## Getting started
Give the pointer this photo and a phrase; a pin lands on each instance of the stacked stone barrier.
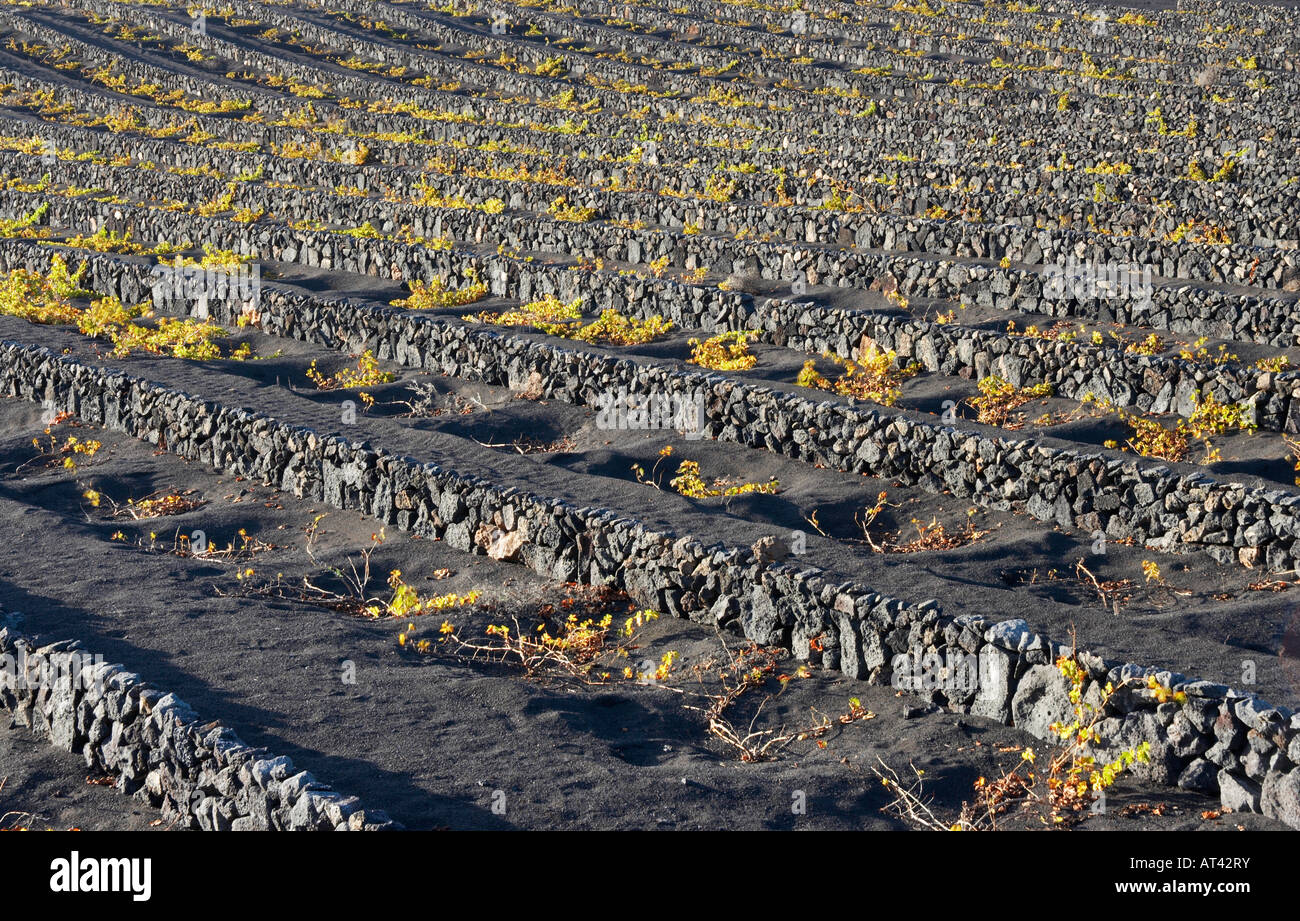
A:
(1075, 369)
(200, 774)
(1216, 740)
(1125, 498)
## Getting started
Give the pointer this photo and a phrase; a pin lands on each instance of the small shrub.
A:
(998, 399)
(929, 536)
(186, 338)
(104, 240)
(218, 205)
(727, 351)
(1057, 332)
(46, 299)
(1059, 793)
(406, 601)
(561, 210)
(155, 505)
(366, 374)
(584, 645)
(554, 317)
(436, 294)
(1194, 231)
(1197, 351)
(24, 227)
(32, 297)
(1210, 417)
(719, 188)
(65, 453)
(1152, 439)
(106, 314)
(366, 231)
(875, 376)
(617, 329)
(1151, 345)
(549, 315)
(551, 67)
(688, 483)
(179, 338)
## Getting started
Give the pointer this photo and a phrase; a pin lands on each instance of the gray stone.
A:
(1238, 794)
(1280, 797)
(1199, 776)
(761, 620)
(1184, 738)
(1041, 699)
(993, 695)
(1009, 634)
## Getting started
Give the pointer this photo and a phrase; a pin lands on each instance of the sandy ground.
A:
(44, 788)
(434, 739)
(445, 742)
(1202, 619)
